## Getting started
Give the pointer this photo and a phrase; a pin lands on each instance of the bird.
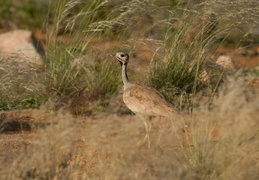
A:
(144, 101)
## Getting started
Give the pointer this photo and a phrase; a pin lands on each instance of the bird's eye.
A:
(122, 55)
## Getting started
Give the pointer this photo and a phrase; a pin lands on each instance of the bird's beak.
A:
(112, 55)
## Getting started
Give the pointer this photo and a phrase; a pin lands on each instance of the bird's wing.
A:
(143, 99)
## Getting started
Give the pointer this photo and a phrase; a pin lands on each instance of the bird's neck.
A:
(125, 78)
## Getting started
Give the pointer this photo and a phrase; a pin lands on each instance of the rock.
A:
(204, 77)
(22, 72)
(22, 47)
(226, 62)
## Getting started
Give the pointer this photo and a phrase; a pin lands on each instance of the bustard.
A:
(143, 100)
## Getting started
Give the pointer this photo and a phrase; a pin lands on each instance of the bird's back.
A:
(146, 100)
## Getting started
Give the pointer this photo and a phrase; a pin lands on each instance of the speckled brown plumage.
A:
(148, 101)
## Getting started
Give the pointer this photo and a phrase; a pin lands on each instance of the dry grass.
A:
(78, 68)
(221, 143)
(22, 84)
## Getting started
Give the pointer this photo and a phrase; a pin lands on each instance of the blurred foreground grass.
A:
(220, 143)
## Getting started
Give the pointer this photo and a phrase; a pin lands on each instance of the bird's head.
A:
(122, 57)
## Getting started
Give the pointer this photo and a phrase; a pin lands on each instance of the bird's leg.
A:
(149, 123)
(147, 127)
